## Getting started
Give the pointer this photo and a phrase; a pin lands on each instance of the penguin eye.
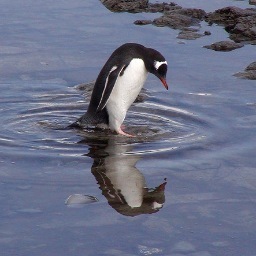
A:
(162, 70)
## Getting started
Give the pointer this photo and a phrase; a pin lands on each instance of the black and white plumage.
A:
(119, 83)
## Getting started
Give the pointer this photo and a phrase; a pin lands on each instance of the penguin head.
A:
(157, 65)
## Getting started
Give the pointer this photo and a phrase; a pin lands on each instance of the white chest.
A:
(128, 86)
(125, 91)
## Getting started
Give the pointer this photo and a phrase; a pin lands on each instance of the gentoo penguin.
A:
(119, 83)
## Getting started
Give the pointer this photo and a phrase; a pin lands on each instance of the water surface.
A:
(186, 185)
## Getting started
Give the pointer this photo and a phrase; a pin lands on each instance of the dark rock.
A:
(189, 35)
(249, 72)
(253, 2)
(251, 75)
(240, 23)
(228, 15)
(252, 66)
(192, 12)
(191, 29)
(136, 6)
(180, 18)
(224, 46)
(162, 7)
(175, 20)
(207, 33)
(181, 42)
(142, 22)
(174, 15)
(125, 5)
(244, 29)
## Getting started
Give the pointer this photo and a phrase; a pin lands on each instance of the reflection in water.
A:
(76, 200)
(121, 182)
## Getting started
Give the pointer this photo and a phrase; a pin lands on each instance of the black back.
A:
(121, 58)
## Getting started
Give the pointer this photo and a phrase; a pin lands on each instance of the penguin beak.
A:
(163, 80)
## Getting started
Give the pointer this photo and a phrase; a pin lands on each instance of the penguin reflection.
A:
(121, 182)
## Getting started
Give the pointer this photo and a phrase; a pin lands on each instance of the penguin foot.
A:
(121, 132)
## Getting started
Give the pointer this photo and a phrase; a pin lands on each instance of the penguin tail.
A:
(91, 120)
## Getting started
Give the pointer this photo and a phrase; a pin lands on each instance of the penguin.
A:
(119, 83)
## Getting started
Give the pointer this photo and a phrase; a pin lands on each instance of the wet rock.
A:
(252, 66)
(240, 23)
(180, 18)
(249, 72)
(175, 21)
(246, 75)
(228, 15)
(162, 7)
(192, 12)
(189, 35)
(142, 22)
(224, 46)
(253, 2)
(125, 5)
(136, 6)
(244, 30)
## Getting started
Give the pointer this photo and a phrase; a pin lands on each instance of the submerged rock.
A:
(142, 22)
(207, 33)
(224, 46)
(249, 72)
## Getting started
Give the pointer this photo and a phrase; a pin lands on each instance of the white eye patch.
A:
(157, 64)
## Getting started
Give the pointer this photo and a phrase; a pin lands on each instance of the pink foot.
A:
(120, 131)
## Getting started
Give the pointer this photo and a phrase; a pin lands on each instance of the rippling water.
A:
(185, 185)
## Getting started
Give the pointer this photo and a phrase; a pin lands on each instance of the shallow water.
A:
(185, 185)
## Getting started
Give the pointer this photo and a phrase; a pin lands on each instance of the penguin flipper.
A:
(109, 85)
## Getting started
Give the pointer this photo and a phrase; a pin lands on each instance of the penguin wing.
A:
(109, 84)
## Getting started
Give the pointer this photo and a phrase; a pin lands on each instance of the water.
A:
(184, 186)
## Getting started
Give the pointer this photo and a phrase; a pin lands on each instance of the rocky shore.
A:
(239, 23)
(249, 72)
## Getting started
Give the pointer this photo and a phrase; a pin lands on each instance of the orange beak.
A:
(164, 82)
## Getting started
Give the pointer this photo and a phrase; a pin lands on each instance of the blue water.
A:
(186, 185)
